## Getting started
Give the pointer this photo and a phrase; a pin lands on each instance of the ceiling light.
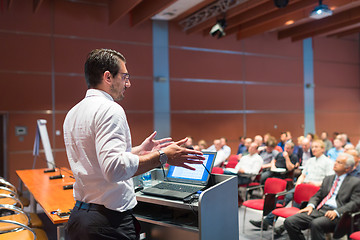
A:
(321, 11)
(219, 28)
(289, 22)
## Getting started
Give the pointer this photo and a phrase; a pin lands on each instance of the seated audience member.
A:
(189, 143)
(310, 136)
(314, 172)
(259, 140)
(334, 152)
(339, 193)
(202, 145)
(305, 152)
(327, 142)
(283, 137)
(247, 143)
(288, 136)
(266, 137)
(348, 147)
(241, 147)
(285, 160)
(357, 148)
(343, 138)
(249, 164)
(224, 147)
(269, 153)
(356, 171)
(299, 145)
(220, 154)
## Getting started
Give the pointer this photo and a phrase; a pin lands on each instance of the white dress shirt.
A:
(227, 151)
(220, 158)
(316, 169)
(251, 164)
(98, 145)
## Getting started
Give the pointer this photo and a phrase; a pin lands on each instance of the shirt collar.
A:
(92, 92)
(341, 177)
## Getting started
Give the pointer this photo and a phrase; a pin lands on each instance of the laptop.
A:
(181, 182)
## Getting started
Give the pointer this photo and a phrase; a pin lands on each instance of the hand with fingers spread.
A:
(180, 156)
(150, 144)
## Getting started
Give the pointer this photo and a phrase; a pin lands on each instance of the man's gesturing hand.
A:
(179, 156)
(150, 144)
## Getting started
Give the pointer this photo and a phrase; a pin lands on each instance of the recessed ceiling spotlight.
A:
(321, 11)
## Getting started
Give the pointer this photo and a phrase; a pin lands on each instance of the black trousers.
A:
(316, 221)
(97, 222)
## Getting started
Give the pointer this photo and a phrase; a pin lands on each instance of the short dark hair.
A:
(100, 61)
(271, 142)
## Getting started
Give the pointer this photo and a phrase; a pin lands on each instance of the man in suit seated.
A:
(339, 193)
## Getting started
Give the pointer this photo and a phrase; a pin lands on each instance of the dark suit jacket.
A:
(348, 197)
(300, 153)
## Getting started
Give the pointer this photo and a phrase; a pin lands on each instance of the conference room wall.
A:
(232, 87)
(337, 81)
(218, 87)
(41, 71)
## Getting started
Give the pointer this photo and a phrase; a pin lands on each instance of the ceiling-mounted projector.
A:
(321, 11)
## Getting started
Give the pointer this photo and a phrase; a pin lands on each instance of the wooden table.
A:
(50, 193)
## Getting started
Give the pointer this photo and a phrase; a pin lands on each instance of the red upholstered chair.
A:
(355, 236)
(217, 170)
(272, 187)
(303, 193)
(232, 161)
(254, 183)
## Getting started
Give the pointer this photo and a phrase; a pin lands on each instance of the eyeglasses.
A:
(125, 76)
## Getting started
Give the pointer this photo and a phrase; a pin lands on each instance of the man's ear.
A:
(107, 77)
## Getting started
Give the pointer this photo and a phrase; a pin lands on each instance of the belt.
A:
(98, 207)
(89, 206)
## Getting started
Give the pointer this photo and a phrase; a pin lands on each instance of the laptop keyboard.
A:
(177, 187)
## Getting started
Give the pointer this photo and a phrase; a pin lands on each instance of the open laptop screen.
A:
(198, 176)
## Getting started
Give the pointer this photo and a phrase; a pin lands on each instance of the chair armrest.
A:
(247, 174)
(22, 226)
(9, 191)
(7, 184)
(254, 187)
(281, 193)
(18, 212)
(14, 199)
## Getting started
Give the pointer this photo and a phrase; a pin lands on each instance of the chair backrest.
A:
(217, 170)
(303, 192)
(274, 185)
(232, 161)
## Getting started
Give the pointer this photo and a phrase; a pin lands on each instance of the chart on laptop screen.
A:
(196, 174)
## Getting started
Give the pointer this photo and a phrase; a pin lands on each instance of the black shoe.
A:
(279, 230)
(258, 224)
